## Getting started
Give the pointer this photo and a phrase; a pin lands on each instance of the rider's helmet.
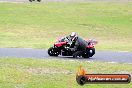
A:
(73, 36)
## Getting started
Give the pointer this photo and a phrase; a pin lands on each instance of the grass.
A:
(54, 73)
(37, 25)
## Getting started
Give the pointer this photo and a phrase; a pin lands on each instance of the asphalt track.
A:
(107, 56)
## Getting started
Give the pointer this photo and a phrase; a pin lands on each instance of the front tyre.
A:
(53, 51)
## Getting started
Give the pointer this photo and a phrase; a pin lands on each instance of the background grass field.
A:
(37, 25)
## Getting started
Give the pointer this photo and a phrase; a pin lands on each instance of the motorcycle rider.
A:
(76, 42)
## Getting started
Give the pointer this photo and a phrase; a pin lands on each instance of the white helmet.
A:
(73, 35)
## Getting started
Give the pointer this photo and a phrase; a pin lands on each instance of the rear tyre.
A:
(91, 52)
(53, 51)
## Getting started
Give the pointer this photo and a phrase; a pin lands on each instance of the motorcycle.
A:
(62, 47)
(34, 0)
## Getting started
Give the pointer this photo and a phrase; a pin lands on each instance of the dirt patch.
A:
(47, 71)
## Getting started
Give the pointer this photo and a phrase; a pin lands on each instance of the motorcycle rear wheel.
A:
(91, 52)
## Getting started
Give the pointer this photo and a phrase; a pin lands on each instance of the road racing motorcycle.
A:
(62, 47)
(34, 0)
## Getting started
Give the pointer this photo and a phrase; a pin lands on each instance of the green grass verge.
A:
(54, 73)
(36, 25)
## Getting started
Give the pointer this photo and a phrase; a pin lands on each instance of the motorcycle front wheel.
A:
(53, 51)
